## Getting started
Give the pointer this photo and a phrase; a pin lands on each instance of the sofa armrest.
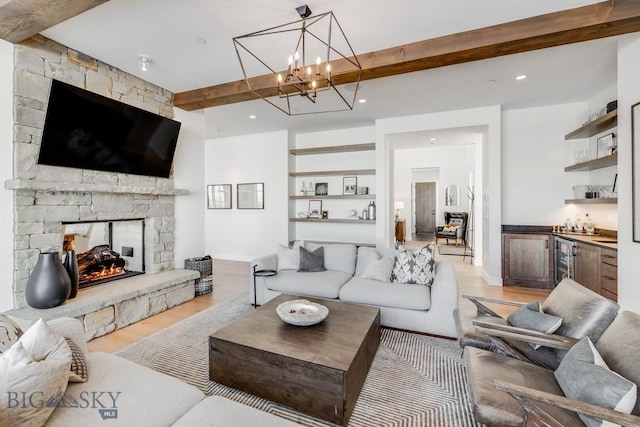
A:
(526, 335)
(444, 299)
(483, 309)
(528, 396)
(267, 262)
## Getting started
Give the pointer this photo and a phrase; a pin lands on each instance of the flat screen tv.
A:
(89, 131)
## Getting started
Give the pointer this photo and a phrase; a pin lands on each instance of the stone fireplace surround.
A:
(46, 196)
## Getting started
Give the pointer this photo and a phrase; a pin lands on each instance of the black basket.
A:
(204, 265)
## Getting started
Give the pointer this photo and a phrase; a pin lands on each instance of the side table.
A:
(260, 273)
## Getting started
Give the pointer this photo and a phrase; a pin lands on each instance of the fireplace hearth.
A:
(95, 244)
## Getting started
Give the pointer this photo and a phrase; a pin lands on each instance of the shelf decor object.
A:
(350, 183)
(315, 208)
(250, 196)
(318, 54)
(635, 173)
(219, 196)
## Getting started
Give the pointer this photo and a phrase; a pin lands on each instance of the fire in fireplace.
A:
(95, 243)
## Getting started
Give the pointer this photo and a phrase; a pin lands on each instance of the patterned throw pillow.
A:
(414, 267)
(79, 372)
(9, 333)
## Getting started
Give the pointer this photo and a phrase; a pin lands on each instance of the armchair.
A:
(455, 228)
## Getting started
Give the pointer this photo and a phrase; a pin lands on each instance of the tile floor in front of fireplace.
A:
(231, 278)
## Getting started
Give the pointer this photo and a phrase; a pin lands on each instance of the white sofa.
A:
(420, 308)
(146, 397)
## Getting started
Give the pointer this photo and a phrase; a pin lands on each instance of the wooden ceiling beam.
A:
(21, 19)
(554, 29)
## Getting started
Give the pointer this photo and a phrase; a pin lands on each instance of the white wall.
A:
(188, 168)
(454, 172)
(243, 234)
(628, 94)
(6, 169)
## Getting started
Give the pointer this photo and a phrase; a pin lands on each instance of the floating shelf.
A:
(332, 149)
(600, 124)
(334, 220)
(601, 201)
(337, 196)
(600, 163)
(335, 173)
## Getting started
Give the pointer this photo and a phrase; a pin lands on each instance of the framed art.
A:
(219, 196)
(250, 196)
(325, 214)
(315, 208)
(322, 188)
(606, 145)
(349, 185)
(635, 173)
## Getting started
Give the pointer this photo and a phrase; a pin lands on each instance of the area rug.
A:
(453, 250)
(415, 380)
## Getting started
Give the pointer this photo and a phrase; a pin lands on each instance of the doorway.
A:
(425, 203)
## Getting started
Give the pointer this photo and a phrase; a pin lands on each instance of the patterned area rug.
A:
(415, 380)
(453, 250)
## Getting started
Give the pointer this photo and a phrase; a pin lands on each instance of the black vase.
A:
(71, 265)
(49, 284)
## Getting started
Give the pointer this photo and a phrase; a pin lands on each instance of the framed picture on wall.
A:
(219, 196)
(250, 196)
(315, 208)
(349, 185)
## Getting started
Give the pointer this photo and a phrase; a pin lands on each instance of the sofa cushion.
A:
(530, 316)
(311, 261)
(218, 411)
(414, 267)
(619, 346)
(337, 256)
(497, 408)
(584, 376)
(323, 284)
(384, 294)
(141, 396)
(34, 368)
(289, 257)
(9, 333)
(379, 269)
(366, 254)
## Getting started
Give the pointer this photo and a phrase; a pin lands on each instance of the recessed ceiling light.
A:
(492, 81)
(201, 40)
(144, 61)
(252, 116)
(433, 138)
(521, 77)
(362, 101)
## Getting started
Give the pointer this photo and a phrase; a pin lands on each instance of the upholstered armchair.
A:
(455, 228)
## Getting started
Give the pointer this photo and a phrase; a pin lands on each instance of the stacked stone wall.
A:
(46, 196)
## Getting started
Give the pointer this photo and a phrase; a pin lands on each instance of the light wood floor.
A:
(232, 278)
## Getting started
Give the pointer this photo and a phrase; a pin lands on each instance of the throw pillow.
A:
(289, 258)
(9, 333)
(79, 372)
(37, 366)
(583, 375)
(311, 261)
(379, 268)
(414, 267)
(530, 316)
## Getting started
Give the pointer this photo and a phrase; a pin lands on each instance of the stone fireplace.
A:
(48, 199)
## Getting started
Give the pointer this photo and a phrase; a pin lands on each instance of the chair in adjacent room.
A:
(455, 228)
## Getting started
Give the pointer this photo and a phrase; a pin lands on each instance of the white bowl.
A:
(301, 312)
(303, 214)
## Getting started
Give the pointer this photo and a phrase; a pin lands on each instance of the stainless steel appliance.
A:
(564, 254)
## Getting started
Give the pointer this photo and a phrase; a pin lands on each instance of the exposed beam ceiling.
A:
(21, 19)
(569, 26)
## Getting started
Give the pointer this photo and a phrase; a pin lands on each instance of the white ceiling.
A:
(118, 31)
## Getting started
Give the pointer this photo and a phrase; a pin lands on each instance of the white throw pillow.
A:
(289, 258)
(379, 269)
(36, 368)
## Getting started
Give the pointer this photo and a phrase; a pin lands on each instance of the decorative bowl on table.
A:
(301, 312)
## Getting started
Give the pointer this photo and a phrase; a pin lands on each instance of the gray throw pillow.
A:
(311, 261)
(530, 316)
(583, 375)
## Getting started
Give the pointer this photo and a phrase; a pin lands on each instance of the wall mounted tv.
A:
(89, 131)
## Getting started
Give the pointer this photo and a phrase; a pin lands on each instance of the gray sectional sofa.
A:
(420, 308)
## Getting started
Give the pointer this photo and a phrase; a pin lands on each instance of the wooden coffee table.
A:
(318, 370)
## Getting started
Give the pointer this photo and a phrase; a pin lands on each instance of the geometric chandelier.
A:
(301, 67)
